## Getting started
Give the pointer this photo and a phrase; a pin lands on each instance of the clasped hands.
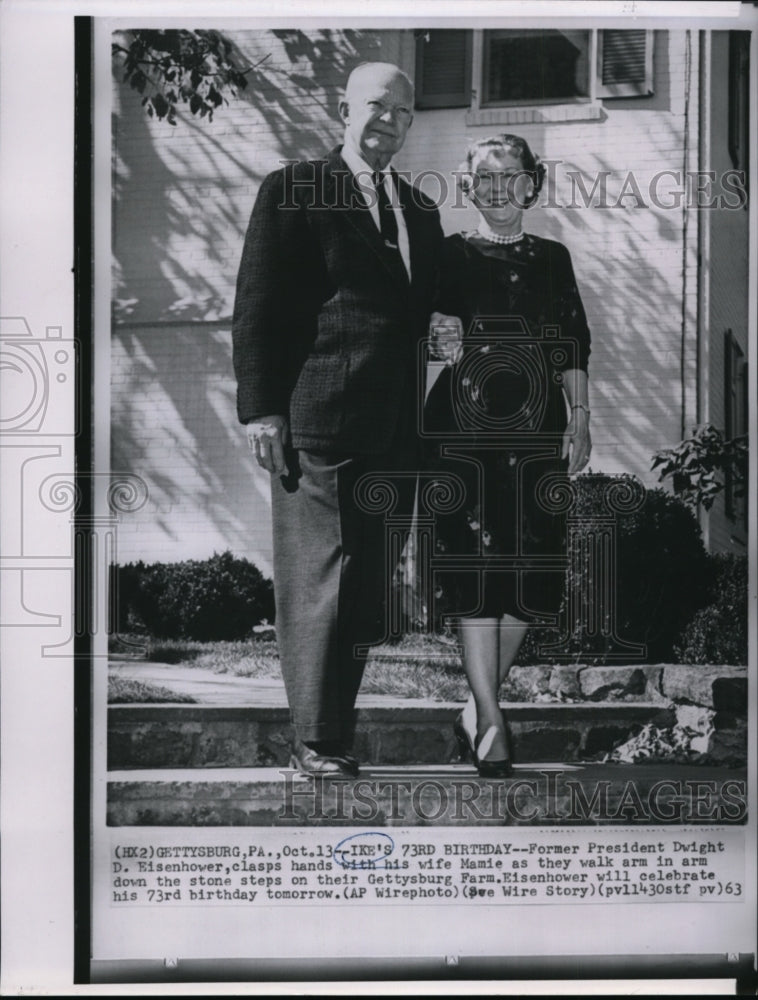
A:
(445, 337)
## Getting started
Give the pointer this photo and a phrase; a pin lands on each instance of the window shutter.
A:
(624, 63)
(735, 412)
(739, 99)
(443, 68)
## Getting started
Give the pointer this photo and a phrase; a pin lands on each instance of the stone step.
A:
(396, 732)
(536, 795)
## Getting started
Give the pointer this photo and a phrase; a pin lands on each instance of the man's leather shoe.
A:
(308, 761)
(335, 748)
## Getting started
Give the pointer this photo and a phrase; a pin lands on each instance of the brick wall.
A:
(184, 196)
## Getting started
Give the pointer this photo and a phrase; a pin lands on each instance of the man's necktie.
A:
(387, 220)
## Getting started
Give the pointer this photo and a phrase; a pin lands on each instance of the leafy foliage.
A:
(177, 66)
(718, 632)
(700, 466)
(217, 598)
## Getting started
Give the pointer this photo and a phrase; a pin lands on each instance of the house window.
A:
(504, 68)
(535, 67)
(735, 418)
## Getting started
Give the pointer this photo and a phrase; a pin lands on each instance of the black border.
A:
(83, 259)
(463, 968)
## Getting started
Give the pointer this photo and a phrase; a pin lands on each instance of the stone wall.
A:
(709, 705)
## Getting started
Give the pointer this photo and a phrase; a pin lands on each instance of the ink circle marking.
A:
(368, 850)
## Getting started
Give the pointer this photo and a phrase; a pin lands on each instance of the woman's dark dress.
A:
(496, 420)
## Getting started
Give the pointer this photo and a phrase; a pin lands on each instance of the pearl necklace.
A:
(493, 237)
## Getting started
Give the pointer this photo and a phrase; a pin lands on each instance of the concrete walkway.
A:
(206, 686)
(210, 688)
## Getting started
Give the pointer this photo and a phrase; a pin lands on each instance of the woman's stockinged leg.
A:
(481, 640)
(511, 634)
(490, 647)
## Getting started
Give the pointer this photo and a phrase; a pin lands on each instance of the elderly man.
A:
(337, 284)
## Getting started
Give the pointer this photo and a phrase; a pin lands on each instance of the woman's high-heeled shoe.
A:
(501, 768)
(466, 751)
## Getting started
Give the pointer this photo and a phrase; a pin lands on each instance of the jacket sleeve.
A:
(451, 297)
(265, 303)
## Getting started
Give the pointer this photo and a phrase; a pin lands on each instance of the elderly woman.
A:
(510, 418)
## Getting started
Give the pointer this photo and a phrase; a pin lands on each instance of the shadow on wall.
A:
(182, 197)
(629, 263)
(183, 194)
(179, 432)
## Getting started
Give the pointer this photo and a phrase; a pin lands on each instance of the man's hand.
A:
(446, 336)
(267, 438)
(577, 443)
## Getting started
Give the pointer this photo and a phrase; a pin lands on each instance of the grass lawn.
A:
(415, 667)
(125, 690)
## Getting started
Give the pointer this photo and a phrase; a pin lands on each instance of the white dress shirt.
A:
(364, 179)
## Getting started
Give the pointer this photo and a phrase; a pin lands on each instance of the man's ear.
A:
(344, 110)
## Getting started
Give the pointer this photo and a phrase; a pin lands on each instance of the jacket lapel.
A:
(349, 199)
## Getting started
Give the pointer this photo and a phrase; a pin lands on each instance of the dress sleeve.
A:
(570, 310)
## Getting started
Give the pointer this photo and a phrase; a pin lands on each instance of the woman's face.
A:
(502, 188)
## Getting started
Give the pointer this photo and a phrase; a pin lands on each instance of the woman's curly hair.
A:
(503, 142)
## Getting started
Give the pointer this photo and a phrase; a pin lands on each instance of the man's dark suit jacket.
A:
(326, 323)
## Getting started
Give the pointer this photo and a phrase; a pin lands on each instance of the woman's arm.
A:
(577, 443)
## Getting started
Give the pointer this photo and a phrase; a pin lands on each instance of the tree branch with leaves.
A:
(701, 466)
(180, 67)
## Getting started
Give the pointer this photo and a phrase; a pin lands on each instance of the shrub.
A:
(717, 633)
(663, 572)
(217, 598)
(662, 577)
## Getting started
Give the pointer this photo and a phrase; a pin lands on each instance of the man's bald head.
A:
(376, 72)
